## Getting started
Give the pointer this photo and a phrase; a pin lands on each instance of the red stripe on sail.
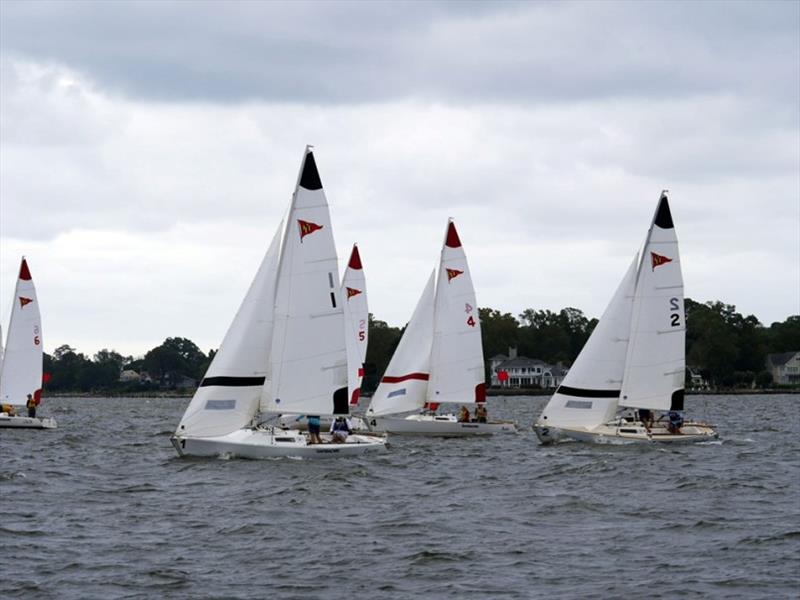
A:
(480, 393)
(419, 376)
(355, 397)
(24, 272)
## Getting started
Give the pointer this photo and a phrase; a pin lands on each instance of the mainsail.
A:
(356, 323)
(655, 365)
(308, 361)
(457, 366)
(22, 360)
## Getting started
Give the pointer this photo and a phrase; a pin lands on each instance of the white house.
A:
(785, 367)
(514, 371)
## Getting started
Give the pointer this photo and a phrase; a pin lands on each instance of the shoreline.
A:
(528, 392)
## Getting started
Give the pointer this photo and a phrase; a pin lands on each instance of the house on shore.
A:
(785, 367)
(515, 371)
(696, 380)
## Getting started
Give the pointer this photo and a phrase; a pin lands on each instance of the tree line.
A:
(728, 348)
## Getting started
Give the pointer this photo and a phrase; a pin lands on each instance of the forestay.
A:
(228, 396)
(404, 386)
(308, 363)
(22, 359)
(655, 363)
(356, 320)
(590, 391)
(457, 366)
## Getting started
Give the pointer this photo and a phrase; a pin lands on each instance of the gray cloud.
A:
(354, 52)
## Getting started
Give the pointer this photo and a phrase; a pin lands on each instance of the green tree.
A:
(499, 331)
(383, 341)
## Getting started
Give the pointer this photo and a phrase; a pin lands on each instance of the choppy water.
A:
(103, 508)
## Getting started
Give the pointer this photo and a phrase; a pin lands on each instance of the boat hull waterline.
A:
(274, 443)
(614, 433)
(438, 425)
(21, 422)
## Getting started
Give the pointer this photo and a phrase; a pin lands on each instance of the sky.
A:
(149, 149)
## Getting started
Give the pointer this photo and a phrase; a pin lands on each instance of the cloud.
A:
(346, 52)
(145, 210)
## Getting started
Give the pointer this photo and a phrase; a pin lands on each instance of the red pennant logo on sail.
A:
(307, 227)
(23, 301)
(352, 292)
(452, 274)
(659, 260)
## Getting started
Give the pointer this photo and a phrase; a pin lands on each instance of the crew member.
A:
(480, 412)
(340, 429)
(31, 406)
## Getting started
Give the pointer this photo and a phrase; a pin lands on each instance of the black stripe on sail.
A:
(676, 400)
(582, 393)
(663, 215)
(310, 177)
(232, 381)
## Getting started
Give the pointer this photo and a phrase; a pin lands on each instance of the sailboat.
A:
(439, 358)
(285, 351)
(21, 366)
(634, 362)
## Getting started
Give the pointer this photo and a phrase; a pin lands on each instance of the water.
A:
(103, 508)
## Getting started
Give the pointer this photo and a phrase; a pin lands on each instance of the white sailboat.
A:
(285, 350)
(439, 358)
(634, 362)
(21, 366)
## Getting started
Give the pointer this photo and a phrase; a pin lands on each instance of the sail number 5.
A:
(674, 317)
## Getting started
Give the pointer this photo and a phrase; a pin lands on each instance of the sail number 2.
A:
(674, 317)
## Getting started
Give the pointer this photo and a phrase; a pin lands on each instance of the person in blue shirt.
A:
(313, 429)
(675, 421)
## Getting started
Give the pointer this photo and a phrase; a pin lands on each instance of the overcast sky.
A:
(148, 150)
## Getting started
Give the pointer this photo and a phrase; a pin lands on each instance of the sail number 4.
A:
(674, 317)
(470, 319)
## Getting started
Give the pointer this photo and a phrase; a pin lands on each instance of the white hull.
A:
(21, 422)
(274, 443)
(437, 425)
(627, 433)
